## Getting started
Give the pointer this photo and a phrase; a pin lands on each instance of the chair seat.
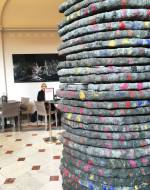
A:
(45, 110)
(52, 112)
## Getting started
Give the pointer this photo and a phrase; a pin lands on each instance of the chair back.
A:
(25, 100)
(40, 108)
(11, 109)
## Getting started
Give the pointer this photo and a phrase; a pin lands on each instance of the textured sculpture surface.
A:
(105, 91)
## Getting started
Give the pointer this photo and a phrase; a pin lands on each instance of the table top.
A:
(8, 102)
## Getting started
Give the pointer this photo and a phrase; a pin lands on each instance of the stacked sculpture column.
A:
(105, 91)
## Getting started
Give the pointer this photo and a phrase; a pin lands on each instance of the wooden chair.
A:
(10, 110)
(46, 113)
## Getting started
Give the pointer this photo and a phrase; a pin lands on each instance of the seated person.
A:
(41, 93)
(41, 97)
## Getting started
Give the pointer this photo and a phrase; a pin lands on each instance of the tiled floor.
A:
(29, 163)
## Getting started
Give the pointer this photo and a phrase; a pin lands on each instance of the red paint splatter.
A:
(94, 9)
(93, 22)
(128, 104)
(122, 26)
(123, 4)
(132, 94)
(86, 12)
(129, 77)
(148, 12)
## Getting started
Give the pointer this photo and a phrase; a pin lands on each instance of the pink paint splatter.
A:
(109, 136)
(144, 161)
(79, 163)
(101, 172)
(102, 119)
(90, 162)
(130, 60)
(66, 172)
(115, 105)
(140, 86)
(87, 167)
(124, 13)
(133, 163)
(124, 86)
(81, 110)
(89, 104)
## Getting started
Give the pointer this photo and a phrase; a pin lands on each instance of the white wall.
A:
(26, 43)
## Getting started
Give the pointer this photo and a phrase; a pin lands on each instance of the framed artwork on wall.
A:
(35, 67)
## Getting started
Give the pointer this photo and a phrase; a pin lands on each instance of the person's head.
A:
(43, 86)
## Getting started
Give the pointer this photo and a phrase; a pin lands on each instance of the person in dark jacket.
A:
(40, 98)
(41, 93)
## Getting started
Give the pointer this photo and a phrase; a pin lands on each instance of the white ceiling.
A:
(32, 14)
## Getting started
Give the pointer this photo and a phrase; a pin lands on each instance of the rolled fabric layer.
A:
(104, 27)
(87, 7)
(127, 34)
(113, 61)
(116, 15)
(105, 94)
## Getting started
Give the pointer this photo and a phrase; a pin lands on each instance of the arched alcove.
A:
(30, 14)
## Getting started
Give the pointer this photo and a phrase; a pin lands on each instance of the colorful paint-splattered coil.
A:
(105, 91)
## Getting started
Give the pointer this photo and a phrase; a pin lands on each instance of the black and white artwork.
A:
(35, 67)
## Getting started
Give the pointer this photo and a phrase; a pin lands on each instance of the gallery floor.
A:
(29, 163)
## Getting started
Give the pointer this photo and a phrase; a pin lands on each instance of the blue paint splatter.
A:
(148, 41)
(140, 42)
(104, 187)
(90, 186)
(140, 102)
(112, 188)
(135, 26)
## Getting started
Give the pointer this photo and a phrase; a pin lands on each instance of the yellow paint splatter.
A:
(112, 43)
(125, 41)
(145, 127)
(79, 118)
(146, 24)
(77, 70)
(82, 95)
(136, 127)
(91, 177)
(78, 13)
(72, 16)
(136, 187)
(69, 116)
(95, 94)
(130, 51)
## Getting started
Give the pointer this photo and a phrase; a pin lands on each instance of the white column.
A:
(3, 86)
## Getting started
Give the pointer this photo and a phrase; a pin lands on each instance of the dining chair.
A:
(10, 110)
(24, 107)
(47, 113)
